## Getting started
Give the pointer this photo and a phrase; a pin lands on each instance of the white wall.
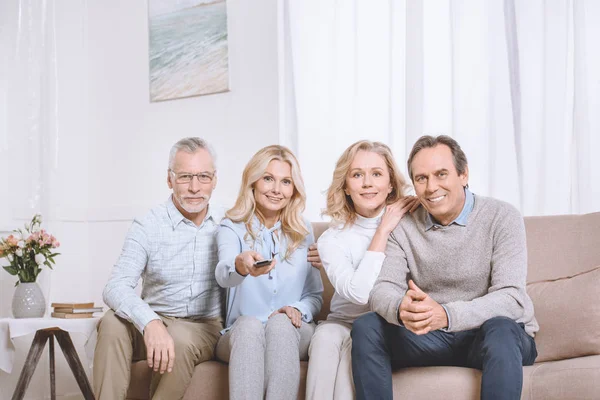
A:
(96, 155)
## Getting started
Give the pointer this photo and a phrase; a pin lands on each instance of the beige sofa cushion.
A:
(575, 378)
(437, 383)
(560, 246)
(568, 311)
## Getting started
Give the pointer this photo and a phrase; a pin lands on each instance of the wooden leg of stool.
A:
(52, 373)
(64, 340)
(33, 357)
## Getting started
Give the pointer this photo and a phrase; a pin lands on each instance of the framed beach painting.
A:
(188, 48)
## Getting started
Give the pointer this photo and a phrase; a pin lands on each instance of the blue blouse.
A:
(293, 282)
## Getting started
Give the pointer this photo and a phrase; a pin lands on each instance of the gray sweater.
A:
(476, 272)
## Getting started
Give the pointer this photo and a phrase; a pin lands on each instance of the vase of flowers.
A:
(27, 250)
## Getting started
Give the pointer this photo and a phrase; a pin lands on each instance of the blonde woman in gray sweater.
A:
(366, 200)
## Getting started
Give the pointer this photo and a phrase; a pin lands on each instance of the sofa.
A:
(564, 284)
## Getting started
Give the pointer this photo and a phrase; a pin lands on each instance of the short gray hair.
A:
(460, 159)
(191, 145)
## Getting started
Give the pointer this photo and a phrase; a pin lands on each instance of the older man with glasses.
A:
(176, 322)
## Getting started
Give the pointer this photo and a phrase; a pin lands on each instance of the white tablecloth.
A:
(11, 328)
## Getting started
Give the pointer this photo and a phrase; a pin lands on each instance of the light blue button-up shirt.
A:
(175, 259)
(293, 282)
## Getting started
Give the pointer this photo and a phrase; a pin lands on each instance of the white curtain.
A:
(517, 83)
(28, 123)
(28, 109)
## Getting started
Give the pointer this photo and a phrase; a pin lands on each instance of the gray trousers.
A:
(264, 360)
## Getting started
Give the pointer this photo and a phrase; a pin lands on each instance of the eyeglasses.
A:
(186, 178)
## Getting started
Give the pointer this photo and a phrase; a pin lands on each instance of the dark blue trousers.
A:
(499, 349)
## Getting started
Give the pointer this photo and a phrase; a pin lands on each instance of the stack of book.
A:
(74, 310)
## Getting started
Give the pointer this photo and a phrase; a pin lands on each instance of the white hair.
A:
(191, 145)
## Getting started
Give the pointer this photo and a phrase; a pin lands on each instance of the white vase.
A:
(28, 301)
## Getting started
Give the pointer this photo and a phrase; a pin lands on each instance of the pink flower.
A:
(12, 241)
(45, 238)
(28, 249)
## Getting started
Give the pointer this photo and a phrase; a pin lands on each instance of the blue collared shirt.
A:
(175, 259)
(293, 281)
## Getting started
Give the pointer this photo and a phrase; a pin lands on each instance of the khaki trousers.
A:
(330, 364)
(120, 343)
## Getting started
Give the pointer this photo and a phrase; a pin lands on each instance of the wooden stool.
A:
(33, 357)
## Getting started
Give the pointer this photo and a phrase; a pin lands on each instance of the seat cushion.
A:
(568, 311)
(437, 383)
(210, 381)
(576, 378)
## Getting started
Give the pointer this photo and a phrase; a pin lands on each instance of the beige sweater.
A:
(476, 272)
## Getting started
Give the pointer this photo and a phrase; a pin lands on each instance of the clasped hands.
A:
(419, 313)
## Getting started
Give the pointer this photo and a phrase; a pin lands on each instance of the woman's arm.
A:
(353, 284)
(229, 247)
(311, 299)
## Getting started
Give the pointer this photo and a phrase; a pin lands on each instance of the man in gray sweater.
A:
(451, 291)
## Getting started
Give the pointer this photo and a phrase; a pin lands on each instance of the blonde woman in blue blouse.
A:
(270, 309)
(366, 200)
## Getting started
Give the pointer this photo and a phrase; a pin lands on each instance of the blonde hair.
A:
(292, 224)
(339, 205)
